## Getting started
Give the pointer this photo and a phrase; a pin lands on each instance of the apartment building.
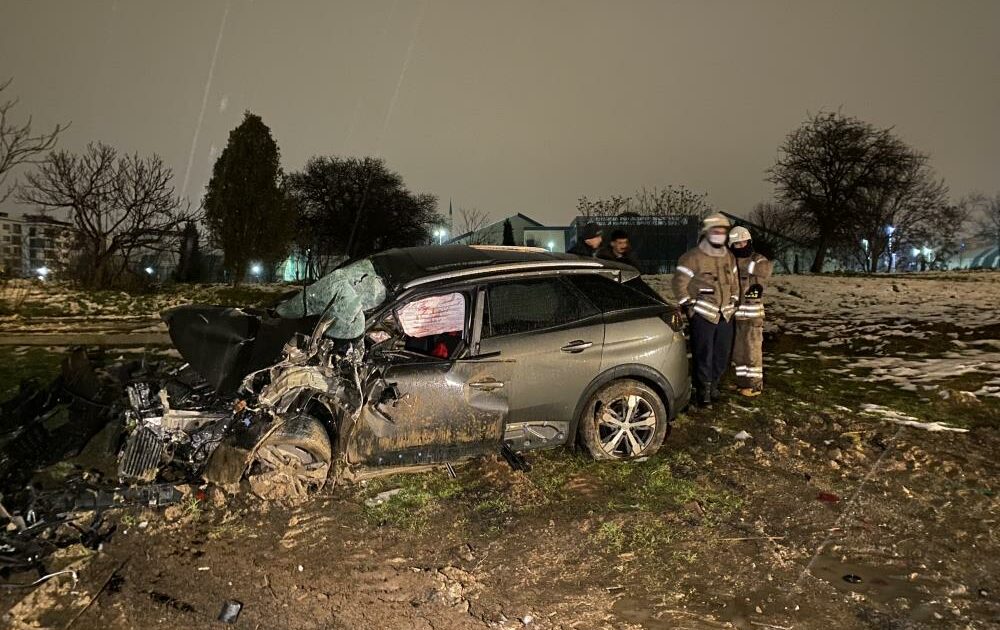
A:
(33, 245)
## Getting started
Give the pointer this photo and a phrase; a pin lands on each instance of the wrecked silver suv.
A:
(410, 357)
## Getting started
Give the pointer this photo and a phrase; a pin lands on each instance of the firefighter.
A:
(706, 287)
(748, 349)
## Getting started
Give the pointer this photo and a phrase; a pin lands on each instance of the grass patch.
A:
(26, 362)
(420, 497)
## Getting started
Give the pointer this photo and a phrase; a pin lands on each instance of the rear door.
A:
(430, 400)
(555, 336)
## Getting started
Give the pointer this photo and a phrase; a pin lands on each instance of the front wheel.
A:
(623, 420)
(292, 461)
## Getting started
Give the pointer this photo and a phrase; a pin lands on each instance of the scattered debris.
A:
(382, 497)
(516, 460)
(44, 578)
(850, 578)
(742, 436)
(827, 497)
(230, 611)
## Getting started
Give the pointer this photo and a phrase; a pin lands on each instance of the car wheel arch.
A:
(642, 373)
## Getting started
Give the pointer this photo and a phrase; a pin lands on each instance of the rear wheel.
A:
(623, 420)
(292, 461)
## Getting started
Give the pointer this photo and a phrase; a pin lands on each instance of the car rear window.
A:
(525, 305)
(609, 295)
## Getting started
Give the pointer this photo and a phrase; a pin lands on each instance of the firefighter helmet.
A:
(715, 220)
(738, 234)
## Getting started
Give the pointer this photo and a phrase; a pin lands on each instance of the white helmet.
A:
(739, 233)
(715, 220)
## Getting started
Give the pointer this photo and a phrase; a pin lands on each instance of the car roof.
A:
(409, 266)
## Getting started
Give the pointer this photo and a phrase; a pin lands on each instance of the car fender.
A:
(637, 371)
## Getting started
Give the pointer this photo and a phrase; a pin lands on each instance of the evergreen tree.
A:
(508, 233)
(246, 210)
(189, 260)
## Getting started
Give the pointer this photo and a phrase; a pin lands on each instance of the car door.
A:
(555, 336)
(423, 409)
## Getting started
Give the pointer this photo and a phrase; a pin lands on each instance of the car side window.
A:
(609, 295)
(518, 306)
(434, 325)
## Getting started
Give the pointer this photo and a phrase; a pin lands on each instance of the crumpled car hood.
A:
(224, 344)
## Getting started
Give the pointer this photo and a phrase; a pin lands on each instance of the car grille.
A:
(141, 458)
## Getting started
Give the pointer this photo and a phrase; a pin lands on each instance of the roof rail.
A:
(486, 269)
(509, 248)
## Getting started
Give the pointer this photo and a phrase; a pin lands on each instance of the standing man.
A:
(589, 241)
(748, 350)
(707, 289)
(618, 249)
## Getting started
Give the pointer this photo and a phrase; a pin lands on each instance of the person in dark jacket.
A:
(589, 241)
(618, 249)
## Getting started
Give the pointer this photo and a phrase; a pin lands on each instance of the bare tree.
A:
(779, 229)
(902, 207)
(123, 206)
(598, 209)
(657, 202)
(671, 201)
(824, 169)
(471, 221)
(18, 144)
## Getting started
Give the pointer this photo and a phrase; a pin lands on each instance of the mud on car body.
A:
(414, 356)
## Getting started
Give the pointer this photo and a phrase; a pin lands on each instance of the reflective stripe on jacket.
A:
(709, 284)
(754, 269)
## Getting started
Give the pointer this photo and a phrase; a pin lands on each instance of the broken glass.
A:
(350, 291)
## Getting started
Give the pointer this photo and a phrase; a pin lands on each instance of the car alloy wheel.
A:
(626, 426)
(624, 419)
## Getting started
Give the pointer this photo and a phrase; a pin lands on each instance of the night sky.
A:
(514, 106)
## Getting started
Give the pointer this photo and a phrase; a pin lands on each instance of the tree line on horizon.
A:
(843, 187)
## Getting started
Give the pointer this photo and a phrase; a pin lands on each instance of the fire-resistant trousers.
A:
(748, 353)
(711, 346)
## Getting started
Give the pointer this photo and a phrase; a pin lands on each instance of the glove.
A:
(754, 292)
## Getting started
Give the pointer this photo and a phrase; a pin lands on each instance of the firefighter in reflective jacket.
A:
(707, 289)
(748, 349)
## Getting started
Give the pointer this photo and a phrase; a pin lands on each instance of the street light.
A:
(256, 269)
(150, 270)
(552, 245)
(42, 272)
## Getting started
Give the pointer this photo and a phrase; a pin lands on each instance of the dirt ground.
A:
(831, 514)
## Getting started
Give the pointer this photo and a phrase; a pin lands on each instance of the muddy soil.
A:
(827, 516)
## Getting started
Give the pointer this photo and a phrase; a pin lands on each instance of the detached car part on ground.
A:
(412, 357)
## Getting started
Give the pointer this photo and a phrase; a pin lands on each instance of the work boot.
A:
(703, 398)
(714, 392)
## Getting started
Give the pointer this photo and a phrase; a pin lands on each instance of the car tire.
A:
(624, 419)
(292, 461)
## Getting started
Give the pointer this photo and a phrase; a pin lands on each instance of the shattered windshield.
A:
(353, 289)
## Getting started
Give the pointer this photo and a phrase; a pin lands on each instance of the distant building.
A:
(33, 245)
(492, 234)
(554, 239)
(977, 254)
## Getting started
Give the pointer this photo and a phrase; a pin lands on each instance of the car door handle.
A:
(577, 346)
(487, 386)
